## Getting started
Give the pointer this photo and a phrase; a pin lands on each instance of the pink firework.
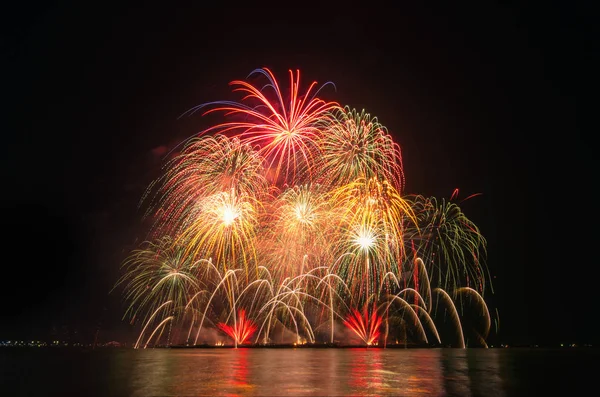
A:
(284, 128)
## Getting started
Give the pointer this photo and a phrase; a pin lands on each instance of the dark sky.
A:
(486, 99)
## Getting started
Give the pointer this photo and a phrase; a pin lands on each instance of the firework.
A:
(371, 214)
(206, 167)
(242, 329)
(287, 223)
(366, 326)
(448, 242)
(355, 145)
(285, 131)
(297, 237)
(159, 280)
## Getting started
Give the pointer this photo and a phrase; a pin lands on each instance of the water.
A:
(297, 372)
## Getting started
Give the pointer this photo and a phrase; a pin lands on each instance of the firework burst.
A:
(285, 131)
(365, 325)
(207, 167)
(355, 145)
(279, 223)
(449, 243)
(242, 329)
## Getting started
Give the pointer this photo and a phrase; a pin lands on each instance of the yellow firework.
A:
(155, 274)
(371, 215)
(222, 227)
(207, 166)
(296, 239)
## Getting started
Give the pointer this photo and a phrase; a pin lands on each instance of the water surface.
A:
(296, 372)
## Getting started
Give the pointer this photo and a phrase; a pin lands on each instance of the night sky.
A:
(484, 99)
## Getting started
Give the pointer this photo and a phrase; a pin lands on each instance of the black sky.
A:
(486, 99)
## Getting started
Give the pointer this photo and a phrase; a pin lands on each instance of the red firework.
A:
(242, 329)
(365, 325)
(286, 131)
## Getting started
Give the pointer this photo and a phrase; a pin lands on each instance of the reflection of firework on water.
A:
(286, 223)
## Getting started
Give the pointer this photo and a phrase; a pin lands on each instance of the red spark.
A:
(364, 325)
(242, 329)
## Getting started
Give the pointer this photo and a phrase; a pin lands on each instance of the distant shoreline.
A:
(303, 346)
(298, 346)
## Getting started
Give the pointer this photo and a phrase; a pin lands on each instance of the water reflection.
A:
(238, 380)
(280, 372)
(304, 372)
(485, 372)
(455, 372)
(423, 373)
(366, 371)
(151, 373)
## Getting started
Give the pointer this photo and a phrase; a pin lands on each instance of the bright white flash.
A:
(365, 239)
(229, 215)
(301, 212)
